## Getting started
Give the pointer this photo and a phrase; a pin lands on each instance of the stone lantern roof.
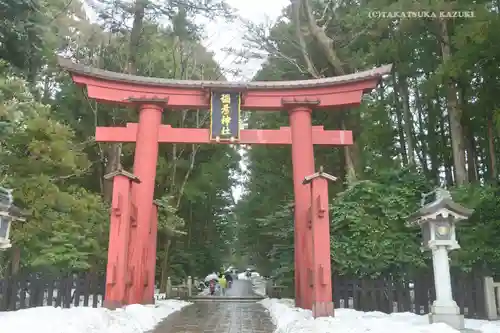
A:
(7, 207)
(17, 214)
(443, 205)
(8, 215)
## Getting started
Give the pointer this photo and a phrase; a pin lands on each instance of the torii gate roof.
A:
(375, 73)
(326, 92)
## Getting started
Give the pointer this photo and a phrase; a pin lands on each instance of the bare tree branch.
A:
(302, 43)
(325, 42)
(258, 40)
(324, 19)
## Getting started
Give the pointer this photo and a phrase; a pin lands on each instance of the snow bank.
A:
(243, 275)
(259, 286)
(289, 319)
(131, 319)
(483, 325)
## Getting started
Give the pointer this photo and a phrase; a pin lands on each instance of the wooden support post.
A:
(150, 263)
(322, 305)
(119, 232)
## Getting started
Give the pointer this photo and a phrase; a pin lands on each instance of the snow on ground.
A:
(243, 276)
(258, 282)
(211, 276)
(289, 319)
(131, 319)
(204, 292)
(259, 286)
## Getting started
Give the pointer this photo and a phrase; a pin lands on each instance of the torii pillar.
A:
(303, 165)
(145, 160)
(117, 273)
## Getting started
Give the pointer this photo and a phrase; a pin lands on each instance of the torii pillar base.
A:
(321, 275)
(323, 309)
(150, 264)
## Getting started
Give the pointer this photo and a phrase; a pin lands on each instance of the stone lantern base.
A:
(448, 314)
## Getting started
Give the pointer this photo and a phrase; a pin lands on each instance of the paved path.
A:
(220, 317)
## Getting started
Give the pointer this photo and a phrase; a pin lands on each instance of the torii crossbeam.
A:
(168, 134)
(131, 255)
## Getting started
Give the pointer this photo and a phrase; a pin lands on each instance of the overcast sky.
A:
(221, 35)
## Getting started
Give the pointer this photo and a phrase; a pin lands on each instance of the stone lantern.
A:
(437, 220)
(8, 214)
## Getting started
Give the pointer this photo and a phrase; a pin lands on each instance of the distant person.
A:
(229, 279)
(211, 287)
(222, 284)
(210, 277)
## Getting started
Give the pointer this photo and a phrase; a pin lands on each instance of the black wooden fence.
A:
(26, 290)
(387, 294)
(410, 294)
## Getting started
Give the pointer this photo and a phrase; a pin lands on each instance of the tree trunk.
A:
(471, 155)
(325, 43)
(16, 259)
(421, 136)
(399, 120)
(408, 121)
(135, 35)
(189, 228)
(296, 4)
(447, 159)
(454, 111)
(470, 142)
(433, 126)
(114, 151)
(164, 267)
(353, 162)
(491, 149)
(352, 119)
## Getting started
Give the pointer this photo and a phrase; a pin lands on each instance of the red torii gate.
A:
(130, 272)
